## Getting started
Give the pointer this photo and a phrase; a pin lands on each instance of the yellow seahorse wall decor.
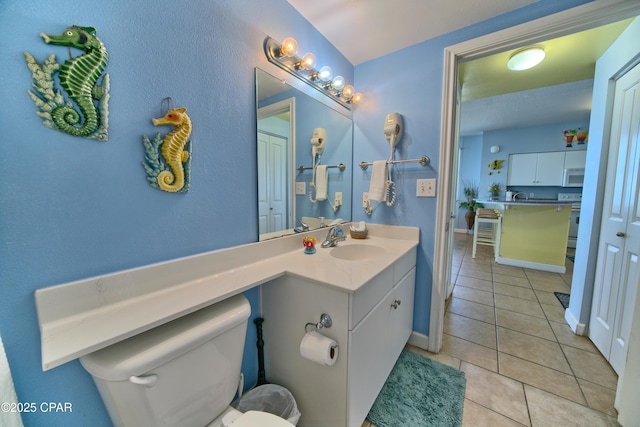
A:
(170, 171)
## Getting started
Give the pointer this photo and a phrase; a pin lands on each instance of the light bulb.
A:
(326, 73)
(347, 92)
(356, 98)
(338, 83)
(309, 60)
(289, 47)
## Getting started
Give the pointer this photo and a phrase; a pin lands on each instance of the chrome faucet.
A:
(515, 196)
(335, 234)
(302, 227)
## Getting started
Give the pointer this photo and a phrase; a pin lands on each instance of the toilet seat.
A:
(262, 419)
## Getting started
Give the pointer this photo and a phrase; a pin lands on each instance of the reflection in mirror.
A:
(290, 190)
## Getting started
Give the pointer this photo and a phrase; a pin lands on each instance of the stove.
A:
(575, 199)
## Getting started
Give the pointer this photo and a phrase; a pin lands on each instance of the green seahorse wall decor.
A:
(168, 161)
(87, 116)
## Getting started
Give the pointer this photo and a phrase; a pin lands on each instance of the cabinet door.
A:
(369, 360)
(522, 169)
(550, 168)
(402, 321)
(575, 159)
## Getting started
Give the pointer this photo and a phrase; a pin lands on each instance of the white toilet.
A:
(183, 373)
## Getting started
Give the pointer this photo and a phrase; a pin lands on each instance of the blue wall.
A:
(475, 156)
(73, 208)
(409, 81)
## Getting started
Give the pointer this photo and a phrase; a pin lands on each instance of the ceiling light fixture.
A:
(523, 59)
(284, 55)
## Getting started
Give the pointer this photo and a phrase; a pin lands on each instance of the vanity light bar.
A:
(284, 55)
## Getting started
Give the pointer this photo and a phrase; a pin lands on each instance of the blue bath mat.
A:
(420, 392)
(563, 298)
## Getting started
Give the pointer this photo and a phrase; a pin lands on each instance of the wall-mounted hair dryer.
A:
(393, 130)
(318, 141)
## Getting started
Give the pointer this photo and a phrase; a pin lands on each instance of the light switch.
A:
(426, 188)
(301, 188)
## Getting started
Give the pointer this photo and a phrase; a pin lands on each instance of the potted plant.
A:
(495, 188)
(470, 191)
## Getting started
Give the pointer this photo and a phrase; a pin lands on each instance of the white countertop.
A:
(530, 202)
(81, 317)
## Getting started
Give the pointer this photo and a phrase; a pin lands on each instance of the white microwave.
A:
(573, 177)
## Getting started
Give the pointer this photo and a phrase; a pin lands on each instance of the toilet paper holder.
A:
(325, 322)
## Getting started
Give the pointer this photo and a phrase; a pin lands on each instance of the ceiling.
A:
(557, 90)
(366, 29)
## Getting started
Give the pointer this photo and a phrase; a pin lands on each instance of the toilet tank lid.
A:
(148, 350)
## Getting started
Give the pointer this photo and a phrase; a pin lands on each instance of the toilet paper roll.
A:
(318, 348)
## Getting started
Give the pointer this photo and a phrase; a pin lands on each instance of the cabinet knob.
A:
(620, 234)
(395, 304)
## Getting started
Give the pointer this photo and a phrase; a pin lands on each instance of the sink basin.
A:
(357, 252)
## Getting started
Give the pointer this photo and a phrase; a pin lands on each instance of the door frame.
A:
(573, 20)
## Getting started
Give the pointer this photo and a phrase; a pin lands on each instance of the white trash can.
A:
(270, 398)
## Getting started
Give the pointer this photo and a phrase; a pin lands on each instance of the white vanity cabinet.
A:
(370, 325)
(375, 344)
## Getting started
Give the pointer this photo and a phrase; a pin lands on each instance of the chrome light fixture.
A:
(284, 55)
(523, 59)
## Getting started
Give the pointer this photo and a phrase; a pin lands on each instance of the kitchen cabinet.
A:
(575, 159)
(536, 169)
(370, 325)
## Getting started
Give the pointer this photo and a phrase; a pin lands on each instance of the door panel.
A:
(617, 272)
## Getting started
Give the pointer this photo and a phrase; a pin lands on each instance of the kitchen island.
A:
(534, 233)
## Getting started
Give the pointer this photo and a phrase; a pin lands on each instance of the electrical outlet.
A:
(301, 188)
(426, 188)
(531, 195)
(365, 200)
(338, 198)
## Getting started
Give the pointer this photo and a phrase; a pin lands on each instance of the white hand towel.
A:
(321, 182)
(7, 392)
(378, 179)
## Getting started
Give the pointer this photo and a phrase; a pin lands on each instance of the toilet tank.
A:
(182, 373)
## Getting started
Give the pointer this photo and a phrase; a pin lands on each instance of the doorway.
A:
(563, 23)
(276, 154)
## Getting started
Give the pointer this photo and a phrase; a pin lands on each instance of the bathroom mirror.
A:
(286, 120)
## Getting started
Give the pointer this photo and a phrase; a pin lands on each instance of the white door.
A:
(449, 278)
(272, 183)
(617, 272)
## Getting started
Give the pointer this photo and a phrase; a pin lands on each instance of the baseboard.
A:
(577, 327)
(419, 340)
(532, 265)
(462, 231)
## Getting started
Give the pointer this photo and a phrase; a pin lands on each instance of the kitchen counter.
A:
(534, 233)
(81, 317)
(524, 202)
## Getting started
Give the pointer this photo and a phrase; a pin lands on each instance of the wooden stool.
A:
(487, 230)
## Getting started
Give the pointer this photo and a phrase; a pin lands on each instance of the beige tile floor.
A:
(505, 329)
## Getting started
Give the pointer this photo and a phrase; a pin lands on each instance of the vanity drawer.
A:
(369, 295)
(404, 264)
